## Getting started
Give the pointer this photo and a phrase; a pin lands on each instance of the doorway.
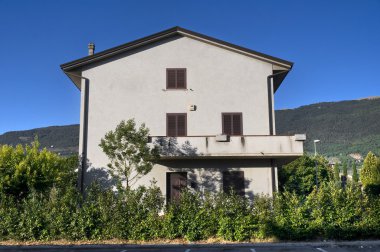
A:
(175, 183)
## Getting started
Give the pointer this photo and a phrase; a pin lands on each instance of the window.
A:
(176, 78)
(232, 124)
(176, 124)
(233, 181)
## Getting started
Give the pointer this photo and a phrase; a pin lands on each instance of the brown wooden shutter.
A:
(236, 124)
(232, 124)
(227, 124)
(176, 125)
(176, 78)
(234, 180)
(171, 125)
(181, 125)
(170, 78)
(181, 78)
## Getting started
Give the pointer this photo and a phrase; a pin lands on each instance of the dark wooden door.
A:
(176, 182)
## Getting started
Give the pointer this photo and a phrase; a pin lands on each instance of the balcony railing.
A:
(254, 146)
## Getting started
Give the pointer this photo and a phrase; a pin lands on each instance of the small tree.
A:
(299, 176)
(344, 168)
(355, 177)
(336, 172)
(129, 153)
(370, 173)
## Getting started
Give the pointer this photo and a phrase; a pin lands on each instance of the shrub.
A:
(59, 212)
(370, 225)
(355, 176)
(235, 219)
(9, 217)
(291, 216)
(263, 216)
(136, 214)
(32, 218)
(191, 217)
(299, 175)
(370, 174)
(63, 208)
(26, 169)
(335, 211)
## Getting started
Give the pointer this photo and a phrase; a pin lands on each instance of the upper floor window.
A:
(176, 124)
(176, 78)
(232, 124)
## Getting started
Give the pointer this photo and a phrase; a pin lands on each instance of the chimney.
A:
(91, 49)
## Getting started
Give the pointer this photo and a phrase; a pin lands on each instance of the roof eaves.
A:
(167, 33)
(263, 56)
(118, 49)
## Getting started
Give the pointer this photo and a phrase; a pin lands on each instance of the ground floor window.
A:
(175, 183)
(233, 181)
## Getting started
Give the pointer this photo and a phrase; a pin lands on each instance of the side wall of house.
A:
(134, 86)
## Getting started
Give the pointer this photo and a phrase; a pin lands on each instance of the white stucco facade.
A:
(133, 85)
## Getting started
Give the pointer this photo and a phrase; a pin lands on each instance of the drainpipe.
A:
(270, 100)
(271, 127)
(273, 175)
(83, 164)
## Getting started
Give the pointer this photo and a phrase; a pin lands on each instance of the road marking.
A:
(124, 250)
(322, 250)
(253, 250)
(187, 250)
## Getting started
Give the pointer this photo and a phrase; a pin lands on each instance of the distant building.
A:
(357, 157)
(333, 161)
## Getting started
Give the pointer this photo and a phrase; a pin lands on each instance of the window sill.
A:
(176, 89)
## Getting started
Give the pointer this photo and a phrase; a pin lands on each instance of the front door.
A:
(176, 182)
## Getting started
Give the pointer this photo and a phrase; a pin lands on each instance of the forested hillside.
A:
(60, 139)
(343, 127)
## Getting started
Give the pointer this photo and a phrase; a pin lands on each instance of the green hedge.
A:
(327, 213)
(39, 201)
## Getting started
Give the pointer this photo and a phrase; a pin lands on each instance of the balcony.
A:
(248, 146)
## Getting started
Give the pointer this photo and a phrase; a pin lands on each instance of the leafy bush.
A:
(33, 223)
(331, 212)
(299, 175)
(355, 175)
(137, 213)
(370, 174)
(262, 211)
(26, 169)
(291, 216)
(56, 210)
(235, 219)
(335, 211)
(9, 217)
(191, 217)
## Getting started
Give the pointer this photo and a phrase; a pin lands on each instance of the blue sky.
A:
(335, 46)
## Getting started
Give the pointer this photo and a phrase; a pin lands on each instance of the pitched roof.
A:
(77, 64)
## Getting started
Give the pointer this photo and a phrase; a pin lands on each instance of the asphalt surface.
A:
(276, 247)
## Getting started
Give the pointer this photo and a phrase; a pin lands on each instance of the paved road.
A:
(202, 248)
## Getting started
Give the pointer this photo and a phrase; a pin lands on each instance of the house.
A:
(208, 104)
